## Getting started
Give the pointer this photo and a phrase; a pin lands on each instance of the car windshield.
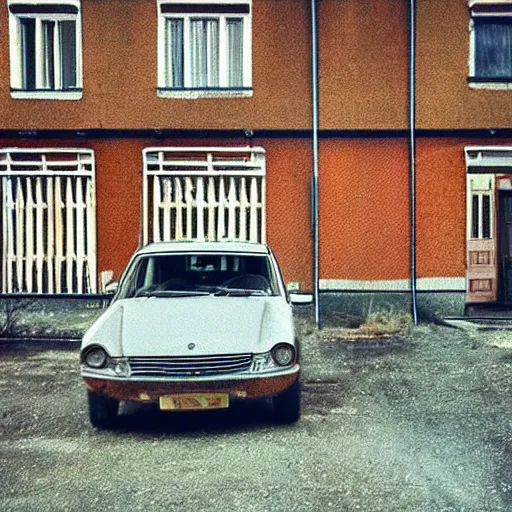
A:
(186, 275)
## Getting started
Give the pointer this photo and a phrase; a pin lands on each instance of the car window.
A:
(219, 274)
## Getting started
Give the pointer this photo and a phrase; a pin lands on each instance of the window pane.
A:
(48, 55)
(174, 53)
(68, 54)
(486, 217)
(28, 58)
(235, 52)
(204, 52)
(474, 217)
(493, 49)
(213, 52)
(198, 53)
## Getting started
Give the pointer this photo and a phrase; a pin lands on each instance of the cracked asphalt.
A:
(421, 424)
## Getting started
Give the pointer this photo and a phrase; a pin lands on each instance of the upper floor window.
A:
(204, 48)
(491, 44)
(45, 55)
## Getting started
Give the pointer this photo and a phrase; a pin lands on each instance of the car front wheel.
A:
(286, 405)
(102, 410)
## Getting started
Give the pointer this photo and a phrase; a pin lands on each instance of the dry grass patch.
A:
(381, 324)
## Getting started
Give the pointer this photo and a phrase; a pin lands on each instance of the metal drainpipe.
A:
(412, 156)
(314, 183)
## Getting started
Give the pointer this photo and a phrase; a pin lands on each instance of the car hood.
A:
(157, 326)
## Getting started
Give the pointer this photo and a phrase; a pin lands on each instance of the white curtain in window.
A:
(213, 52)
(47, 63)
(174, 56)
(197, 53)
(493, 49)
(235, 52)
(204, 53)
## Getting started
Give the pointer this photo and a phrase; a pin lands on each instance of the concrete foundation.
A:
(350, 308)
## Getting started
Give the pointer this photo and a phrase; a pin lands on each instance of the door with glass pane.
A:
(481, 270)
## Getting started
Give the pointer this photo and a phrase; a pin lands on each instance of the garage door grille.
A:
(204, 194)
(48, 221)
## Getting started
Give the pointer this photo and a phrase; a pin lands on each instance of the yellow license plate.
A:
(194, 401)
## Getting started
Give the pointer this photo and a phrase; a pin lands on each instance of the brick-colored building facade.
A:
(134, 85)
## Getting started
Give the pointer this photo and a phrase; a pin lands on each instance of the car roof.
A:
(193, 246)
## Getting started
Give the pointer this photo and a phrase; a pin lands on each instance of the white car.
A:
(192, 326)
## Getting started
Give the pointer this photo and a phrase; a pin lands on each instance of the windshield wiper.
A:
(237, 292)
(173, 293)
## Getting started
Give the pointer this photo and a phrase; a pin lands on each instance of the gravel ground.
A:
(420, 423)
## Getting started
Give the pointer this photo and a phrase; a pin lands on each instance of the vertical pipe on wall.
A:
(412, 156)
(314, 184)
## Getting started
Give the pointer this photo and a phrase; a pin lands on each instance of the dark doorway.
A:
(505, 246)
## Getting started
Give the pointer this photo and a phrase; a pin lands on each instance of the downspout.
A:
(412, 157)
(314, 178)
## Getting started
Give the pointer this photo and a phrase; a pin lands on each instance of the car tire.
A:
(286, 405)
(102, 410)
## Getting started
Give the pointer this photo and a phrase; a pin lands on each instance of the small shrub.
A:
(11, 316)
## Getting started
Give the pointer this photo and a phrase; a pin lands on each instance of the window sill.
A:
(18, 94)
(193, 94)
(496, 84)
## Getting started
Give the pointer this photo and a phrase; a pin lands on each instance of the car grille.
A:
(188, 366)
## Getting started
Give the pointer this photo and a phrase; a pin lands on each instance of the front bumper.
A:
(253, 386)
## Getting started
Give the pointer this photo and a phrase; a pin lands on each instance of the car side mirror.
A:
(111, 288)
(298, 299)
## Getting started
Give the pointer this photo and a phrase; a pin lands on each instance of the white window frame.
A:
(16, 58)
(164, 91)
(482, 159)
(494, 85)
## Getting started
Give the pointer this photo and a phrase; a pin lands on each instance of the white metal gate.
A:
(204, 194)
(48, 221)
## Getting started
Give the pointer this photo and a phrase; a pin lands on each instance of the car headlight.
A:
(283, 354)
(95, 358)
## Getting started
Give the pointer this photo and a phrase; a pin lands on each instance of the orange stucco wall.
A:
(118, 163)
(364, 209)
(444, 98)
(363, 64)
(363, 71)
(441, 208)
(118, 197)
(119, 39)
(441, 204)
(289, 167)
(364, 203)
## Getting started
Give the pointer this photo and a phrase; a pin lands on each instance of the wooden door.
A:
(481, 269)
